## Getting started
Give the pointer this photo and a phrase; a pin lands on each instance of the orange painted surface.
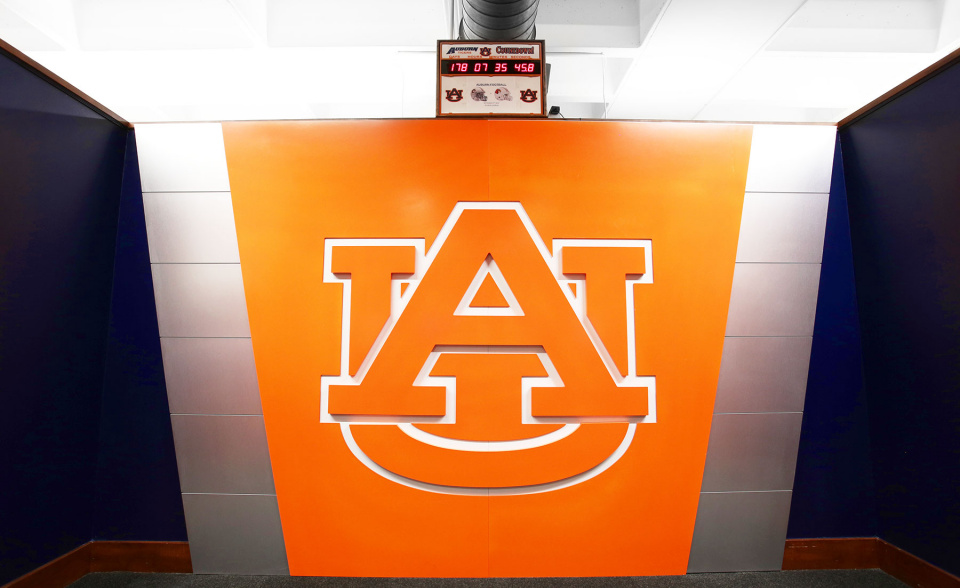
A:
(605, 269)
(489, 295)
(568, 457)
(370, 269)
(429, 320)
(295, 184)
(488, 406)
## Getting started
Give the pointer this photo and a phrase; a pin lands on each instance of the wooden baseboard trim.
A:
(843, 553)
(912, 570)
(862, 553)
(140, 556)
(64, 570)
(108, 556)
(174, 557)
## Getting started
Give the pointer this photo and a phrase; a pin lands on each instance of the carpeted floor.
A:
(799, 579)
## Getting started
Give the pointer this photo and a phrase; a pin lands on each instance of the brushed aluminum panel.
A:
(235, 534)
(182, 157)
(752, 452)
(791, 158)
(191, 227)
(210, 376)
(763, 374)
(200, 300)
(740, 531)
(782, 228)
(222, 454)
(773, 300)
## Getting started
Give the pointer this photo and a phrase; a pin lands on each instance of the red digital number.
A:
(500, 68)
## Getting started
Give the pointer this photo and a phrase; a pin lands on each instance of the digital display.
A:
(490, 78)
(489, 67)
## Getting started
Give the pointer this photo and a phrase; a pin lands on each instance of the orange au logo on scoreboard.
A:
(465, 363)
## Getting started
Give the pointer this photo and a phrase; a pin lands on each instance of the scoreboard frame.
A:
(494, 51)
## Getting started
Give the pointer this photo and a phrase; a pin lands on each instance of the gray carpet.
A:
(799, 579)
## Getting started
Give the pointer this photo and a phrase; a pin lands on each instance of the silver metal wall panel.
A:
(222, 454)
(791, 158)
(755, 451)
(784, 228)
(773, 300)
(763, 374)
(187, 157)
(752, 453)
(230, 505)
(235, 534)
(210, 376)
(191, 227)
(738, 531)
(200, 300)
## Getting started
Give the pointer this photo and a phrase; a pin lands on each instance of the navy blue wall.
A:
(138, 489)
(61, 173)
(833, 494)
(902, 165)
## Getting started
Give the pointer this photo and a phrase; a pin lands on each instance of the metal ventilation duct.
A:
(499, 20)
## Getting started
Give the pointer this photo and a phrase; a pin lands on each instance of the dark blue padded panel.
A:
(833, 493)
(21, 89)
(59, 190)
(138, 488)
(902, 165)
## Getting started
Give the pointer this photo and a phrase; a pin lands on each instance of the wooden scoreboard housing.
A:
(490, 78)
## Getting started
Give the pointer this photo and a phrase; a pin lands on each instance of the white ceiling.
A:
(743, 60)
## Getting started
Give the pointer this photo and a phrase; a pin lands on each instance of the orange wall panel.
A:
(680, 187)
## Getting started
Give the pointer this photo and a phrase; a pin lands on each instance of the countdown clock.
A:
(479, 78)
